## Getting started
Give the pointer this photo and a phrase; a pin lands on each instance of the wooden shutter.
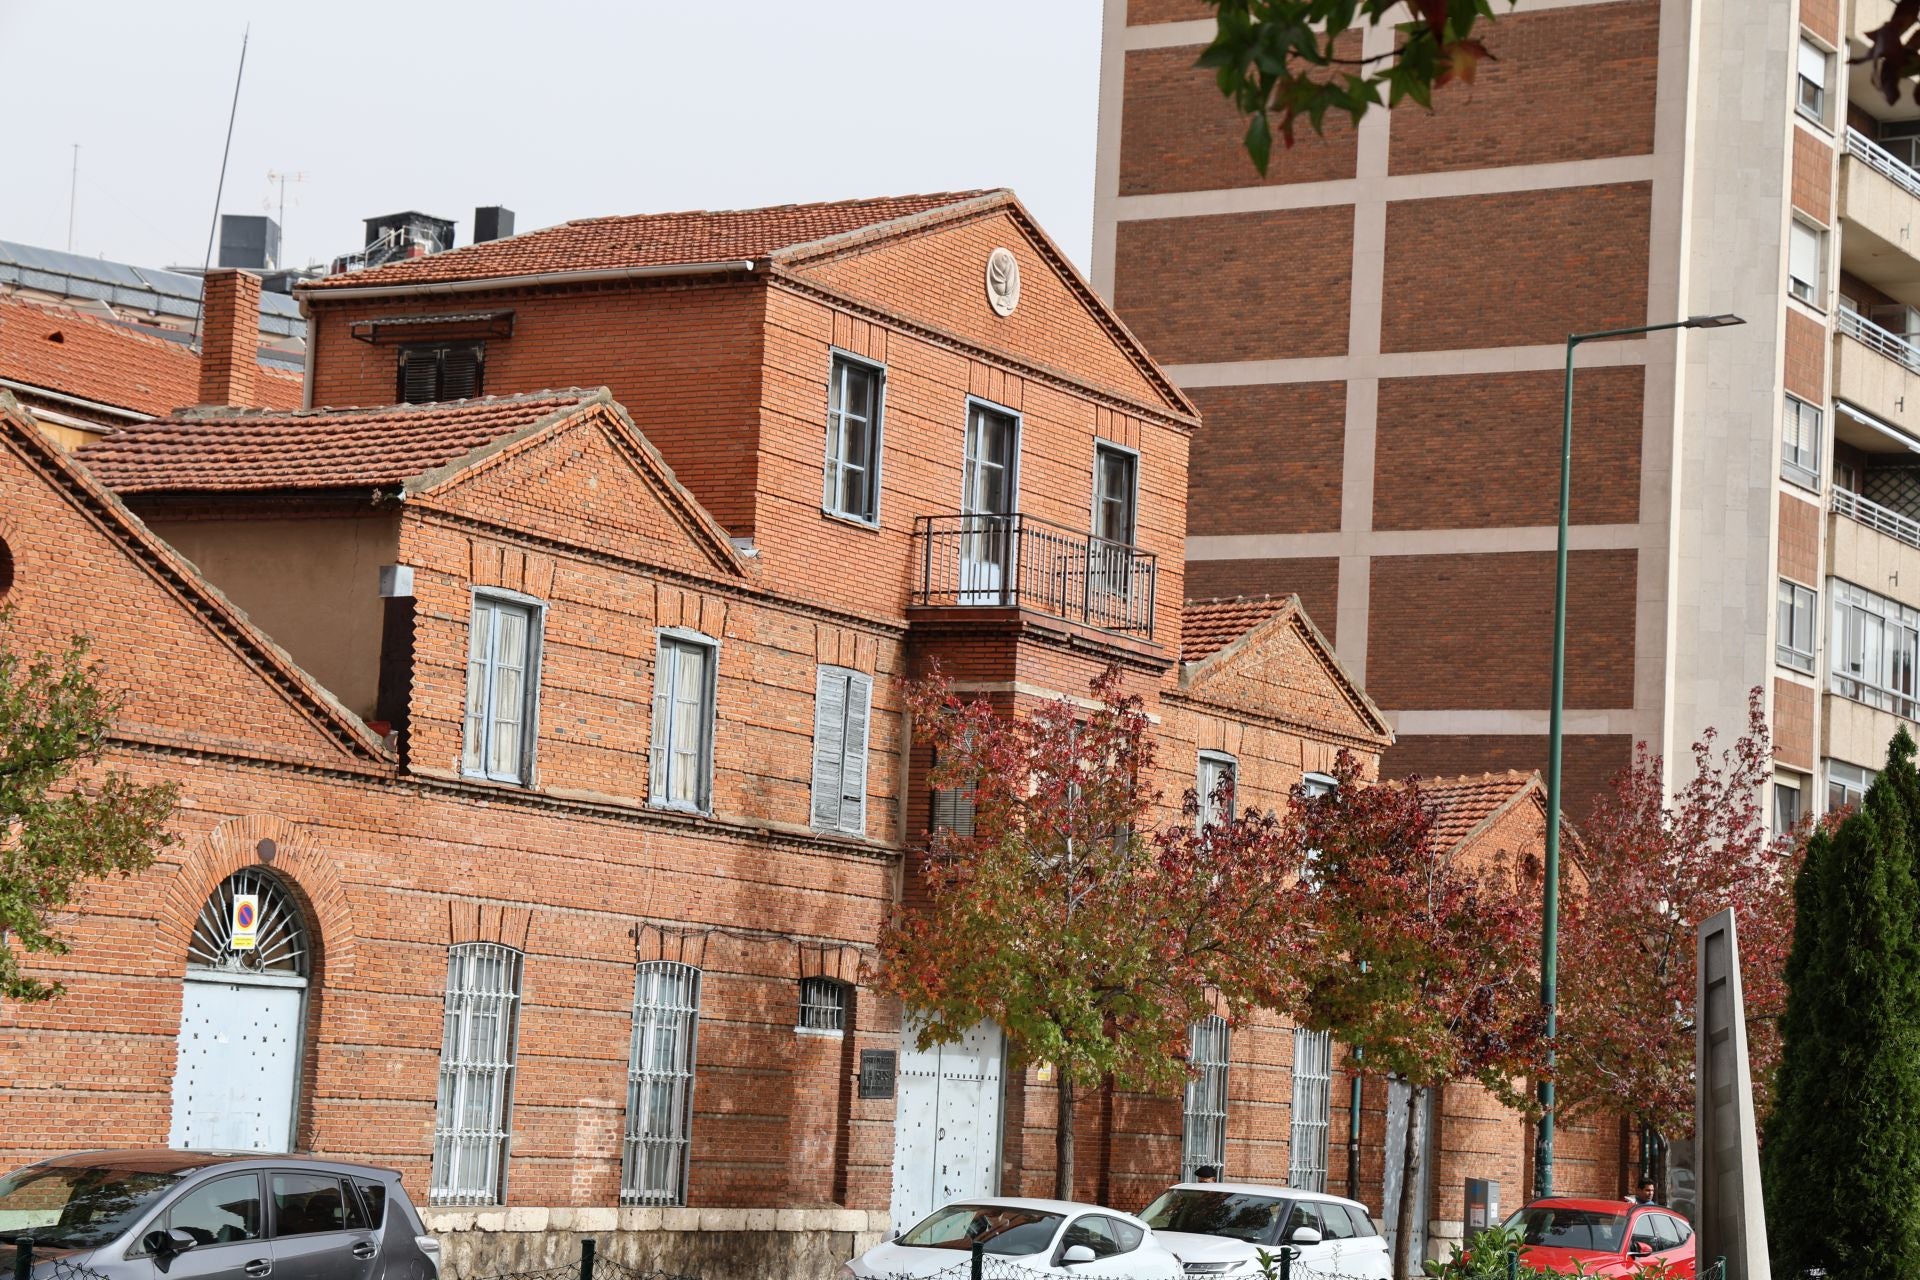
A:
(419, 375)
(460, 367)
(853, 768)
(953, 811)
(657, 754)
(829, 746)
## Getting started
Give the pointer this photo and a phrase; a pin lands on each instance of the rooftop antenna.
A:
(281, 180)
(220, 190)
(73, 194)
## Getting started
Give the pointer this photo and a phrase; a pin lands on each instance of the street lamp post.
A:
(1550, 907)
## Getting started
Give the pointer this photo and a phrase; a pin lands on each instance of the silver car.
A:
(188, 1215)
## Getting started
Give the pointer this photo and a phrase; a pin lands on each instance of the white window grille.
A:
(1814, 69)
(666, 1021)
(1875, 647)
(1796, 609)
(280, 937)
(470, 1130)
(823, 1005)
(1847, 784)
(680, 765)
(842, 707)
(1204, 1140)
(503, 664)
(1215, 787)
(1801, 429)
(1806, 262)
(853, 439)
(1312, 1109)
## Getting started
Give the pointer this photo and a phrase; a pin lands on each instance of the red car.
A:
(1607, 1237)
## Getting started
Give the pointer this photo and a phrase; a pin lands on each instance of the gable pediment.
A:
(1283, 669)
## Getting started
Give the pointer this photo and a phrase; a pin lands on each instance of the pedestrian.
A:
(1647, 1193)
(1207, 1173)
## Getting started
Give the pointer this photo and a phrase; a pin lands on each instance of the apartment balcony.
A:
(1876, 379)
(1880, 213)
(1018, 564)
(1864, 17)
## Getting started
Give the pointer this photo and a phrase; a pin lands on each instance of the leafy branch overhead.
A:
(1281, 61)
(61, 822)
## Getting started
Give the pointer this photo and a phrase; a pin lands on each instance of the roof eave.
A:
(485, 284)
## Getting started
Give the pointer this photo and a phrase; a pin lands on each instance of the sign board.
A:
(877, 1069)
(1730, 1217)
(245, 934)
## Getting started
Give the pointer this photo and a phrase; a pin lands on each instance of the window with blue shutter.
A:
(842, 709)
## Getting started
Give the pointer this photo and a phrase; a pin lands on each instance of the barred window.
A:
(666, 1021)
(1205, 1114)
(1312, 1104)
(470, 1130)
(823, 1005)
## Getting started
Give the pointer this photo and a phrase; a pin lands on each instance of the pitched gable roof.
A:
(648, 240)
(1465, 806)
(60, 350)
(409, 450)
(312, 449)
(1229, 631)
(349, 736)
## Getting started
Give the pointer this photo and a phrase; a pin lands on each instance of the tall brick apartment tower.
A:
(1374, 335)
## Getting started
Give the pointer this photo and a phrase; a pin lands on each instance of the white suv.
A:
(1220, 1229)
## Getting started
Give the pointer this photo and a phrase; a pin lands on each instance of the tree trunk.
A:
(1063, 1143)
(1403, 1218)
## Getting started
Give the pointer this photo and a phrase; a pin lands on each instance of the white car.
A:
(1220, 1229)
(1044, 1237)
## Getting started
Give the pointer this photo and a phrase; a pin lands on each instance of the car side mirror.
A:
(1642, 1248)
(164, 1244)
(1305, 1235)
(1076, 1253)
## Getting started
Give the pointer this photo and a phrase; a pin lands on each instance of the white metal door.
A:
(233, 1082)
(946, 1127)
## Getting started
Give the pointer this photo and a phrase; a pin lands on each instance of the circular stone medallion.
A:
(1003, 282)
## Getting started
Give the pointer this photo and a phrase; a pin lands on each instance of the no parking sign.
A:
(246, 922)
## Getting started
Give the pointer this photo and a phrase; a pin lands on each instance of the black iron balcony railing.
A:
(1018, 561)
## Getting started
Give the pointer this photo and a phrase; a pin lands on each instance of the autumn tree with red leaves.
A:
(1424, 957)
(1656, 866)
(1093, 944)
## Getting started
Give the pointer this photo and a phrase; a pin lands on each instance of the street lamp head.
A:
(1713, 322)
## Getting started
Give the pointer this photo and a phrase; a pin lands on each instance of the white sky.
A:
(558, 109)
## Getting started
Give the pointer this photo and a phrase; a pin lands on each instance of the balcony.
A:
(1877, 370)
(1863, 510)
(1018, 562)
(1879, 211)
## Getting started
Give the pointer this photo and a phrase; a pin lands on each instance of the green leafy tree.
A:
(62, 822)
(1842, 1156)
(1093, 944)
(1282, 61)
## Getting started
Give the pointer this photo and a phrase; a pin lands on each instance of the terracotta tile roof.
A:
(1461, 804)
(61, 350)
(1208, 626)
(252, 451)
(648, 239)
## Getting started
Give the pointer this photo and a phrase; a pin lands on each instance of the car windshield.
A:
(1002, 1229)
(1233, 1214)
(1553, 1227)
(76, 1208)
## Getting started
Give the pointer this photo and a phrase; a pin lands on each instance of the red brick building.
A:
(559, 734)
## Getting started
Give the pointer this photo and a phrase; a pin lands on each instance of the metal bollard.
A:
(979, 1256)
(23, 1258)
(1286, 1263)
(586, 1258)
(1513, 1266)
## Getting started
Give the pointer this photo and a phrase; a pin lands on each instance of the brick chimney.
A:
(230, 338)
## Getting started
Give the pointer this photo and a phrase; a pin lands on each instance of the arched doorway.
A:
(242, 1014)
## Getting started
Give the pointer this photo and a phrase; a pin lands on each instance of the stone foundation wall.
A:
(709, 1244)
